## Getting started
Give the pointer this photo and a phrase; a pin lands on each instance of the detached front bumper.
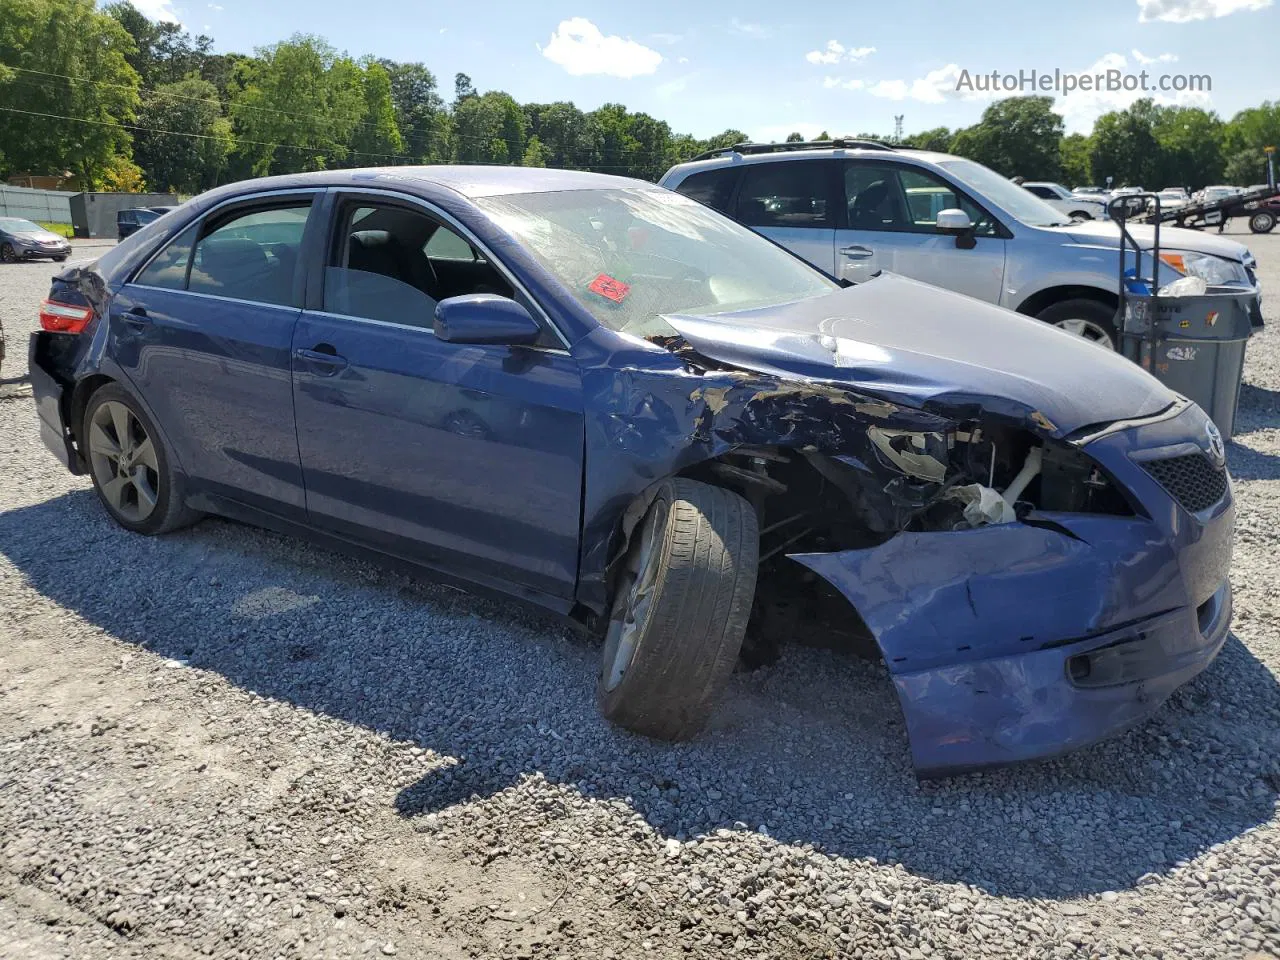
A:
(1026, 640)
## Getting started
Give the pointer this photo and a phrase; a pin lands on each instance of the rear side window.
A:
(169, 269)
(712, 187)
(251, 256)
(788, 194)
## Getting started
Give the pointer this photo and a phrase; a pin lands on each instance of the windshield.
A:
(1022, 204)
(18, 225)
(632, 255)
(1060, 190)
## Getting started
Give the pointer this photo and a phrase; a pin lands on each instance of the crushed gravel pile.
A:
(227, 743)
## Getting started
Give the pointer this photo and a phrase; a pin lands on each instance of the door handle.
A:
(322, 355)
(137, 317)
(857, 253)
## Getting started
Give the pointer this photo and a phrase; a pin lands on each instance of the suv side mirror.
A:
(485, 318)
(956, 223)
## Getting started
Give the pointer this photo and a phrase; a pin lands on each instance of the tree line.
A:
(125, 103)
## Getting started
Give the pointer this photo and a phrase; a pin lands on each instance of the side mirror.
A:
(485, 318)
(954, 222)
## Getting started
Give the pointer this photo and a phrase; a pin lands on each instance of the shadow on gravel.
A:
(813, 748)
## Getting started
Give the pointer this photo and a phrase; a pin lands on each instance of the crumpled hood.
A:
(1106, 233)
(915, 344)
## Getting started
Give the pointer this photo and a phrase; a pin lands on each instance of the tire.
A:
(697, 550)
(1090, 319)
(7, 253)
(146, 496)
(1080, 216)
(1262, 222)
(59, 259)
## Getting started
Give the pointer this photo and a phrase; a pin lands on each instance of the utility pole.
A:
(897, 128)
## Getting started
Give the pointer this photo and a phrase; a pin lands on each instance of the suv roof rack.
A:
(840, 143)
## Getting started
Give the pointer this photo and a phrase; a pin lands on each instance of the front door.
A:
(891, 224)
(463, 456)
(204, 332)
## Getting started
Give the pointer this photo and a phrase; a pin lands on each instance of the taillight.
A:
(64, 317)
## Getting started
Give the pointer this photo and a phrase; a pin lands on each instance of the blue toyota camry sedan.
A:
(609, 400)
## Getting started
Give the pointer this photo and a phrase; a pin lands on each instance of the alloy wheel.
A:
(124, 462)
(6, 253)
(636, 589)
(1088, 330)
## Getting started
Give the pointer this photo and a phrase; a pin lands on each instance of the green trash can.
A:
(1194, 345)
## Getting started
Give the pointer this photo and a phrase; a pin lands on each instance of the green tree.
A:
(463, 89)
(795, 138)
(1243, 140)
(570, 137)
(1020, 136)
(535, 155)
(489, 129)
(1125, 147)
(299, 109)
(1190, 142)
(377, 138)
(163, 52)
(1077, 152)
(939, 139)
(186, 140)
(72, 39)
(420, 113)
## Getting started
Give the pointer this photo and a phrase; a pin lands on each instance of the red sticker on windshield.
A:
(610, 288)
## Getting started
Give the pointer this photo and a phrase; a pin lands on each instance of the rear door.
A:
(204, 332)
(793, 203)
(890, 213)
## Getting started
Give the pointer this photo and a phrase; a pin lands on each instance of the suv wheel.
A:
(1090, 319)
(1262, 222)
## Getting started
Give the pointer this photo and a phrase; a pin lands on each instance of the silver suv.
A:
(853, 208)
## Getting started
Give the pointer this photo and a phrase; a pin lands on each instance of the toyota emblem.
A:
(1217, 449)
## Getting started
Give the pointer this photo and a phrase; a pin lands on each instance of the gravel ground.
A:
(227, 743)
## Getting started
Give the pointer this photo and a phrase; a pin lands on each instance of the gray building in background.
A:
(94, 214)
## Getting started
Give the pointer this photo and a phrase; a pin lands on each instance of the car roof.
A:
(729, 159)
(469, 180)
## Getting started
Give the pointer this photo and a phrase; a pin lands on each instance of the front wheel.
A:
(1262, 222)
(131, 469)
(680, 610)
(1080, 216)
(1089, 319)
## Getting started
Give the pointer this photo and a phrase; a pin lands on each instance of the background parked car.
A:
(133, 219)
(1074, 206)
(859, 208)
(23, 240)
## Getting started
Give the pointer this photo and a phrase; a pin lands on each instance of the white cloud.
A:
(580, 47)
(158, 10)
(1184, 11)
(1146, 61)
(667, 38)
(672, 87)
(757, 31)
(682, 60)
(934, 87)
(832, 82)
(835, 51)
(832, 54)
(1082, 108)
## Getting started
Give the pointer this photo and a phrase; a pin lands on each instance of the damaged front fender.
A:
(1025, 640)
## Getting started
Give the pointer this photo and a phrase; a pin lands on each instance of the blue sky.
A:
(846, 66)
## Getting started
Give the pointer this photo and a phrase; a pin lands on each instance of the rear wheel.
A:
(130, 467)
(1090, 319)
(1262, 222)
(7, 253)
(680, 610)
(1079, 216)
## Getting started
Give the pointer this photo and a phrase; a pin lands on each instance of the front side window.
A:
(785, 194)
(928, 195)
(394, 264)
(985, 183)
(893, 198)
(632, 255)
(250, 256)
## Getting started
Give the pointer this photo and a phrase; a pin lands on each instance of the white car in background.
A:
(1074, 205)
(1216, 193)
(1173, 197)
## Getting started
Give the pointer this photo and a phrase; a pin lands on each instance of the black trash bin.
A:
(1194, 345)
